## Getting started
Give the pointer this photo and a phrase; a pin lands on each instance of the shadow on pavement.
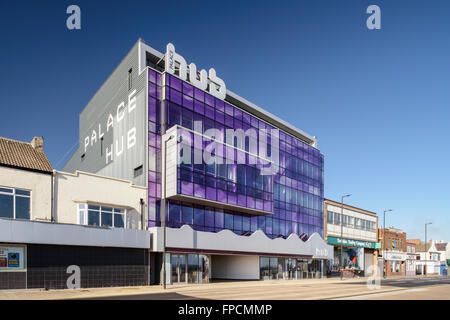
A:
(148, 296)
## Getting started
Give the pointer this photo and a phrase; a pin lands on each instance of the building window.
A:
(15, 203)
(130, 79)
(337, 218)
(330, 217)
(95, 215)
(138, 171)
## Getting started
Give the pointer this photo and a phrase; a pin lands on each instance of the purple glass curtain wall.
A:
(294, 194)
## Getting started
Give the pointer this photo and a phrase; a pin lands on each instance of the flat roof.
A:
(250, 107)
(349, 206)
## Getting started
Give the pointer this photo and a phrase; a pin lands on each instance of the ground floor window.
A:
(185, 268)
(275, 268)
(352, 259)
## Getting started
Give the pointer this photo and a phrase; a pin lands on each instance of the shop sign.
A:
(411, 257)
(321, 253)
(353, 243)
(12, 258)
(395, 256)
(205, 81)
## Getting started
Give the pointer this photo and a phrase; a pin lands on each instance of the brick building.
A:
(393, 250)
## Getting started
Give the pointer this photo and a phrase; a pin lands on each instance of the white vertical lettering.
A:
(110, 122)
(131, 141)
(109, 154)
(131, 101)
(93, 137)
(216, 86)
(119, 152)
(171, 59)
(86, 143)
(201, 83)
(120, 111)
(100, 133)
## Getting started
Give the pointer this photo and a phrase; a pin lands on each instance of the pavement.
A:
(312, 289)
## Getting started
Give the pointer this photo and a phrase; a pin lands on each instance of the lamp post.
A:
(425, 249)
(163, 208)
(384, 241)
(342, 232)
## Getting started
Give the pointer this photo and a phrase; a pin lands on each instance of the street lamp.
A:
(384, 241)
(163, 208)
(425, 249)
(342, 232)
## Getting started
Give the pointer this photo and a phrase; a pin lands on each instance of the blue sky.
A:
(378, 100)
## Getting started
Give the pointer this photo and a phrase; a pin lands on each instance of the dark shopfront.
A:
(275, 268)
(46, 266)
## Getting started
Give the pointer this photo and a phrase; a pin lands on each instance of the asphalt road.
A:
(390, 289)
(414, 289)
(415, 282)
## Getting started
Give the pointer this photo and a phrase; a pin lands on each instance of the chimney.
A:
(38, 143)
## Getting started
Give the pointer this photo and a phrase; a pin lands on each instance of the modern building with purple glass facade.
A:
(254, 212)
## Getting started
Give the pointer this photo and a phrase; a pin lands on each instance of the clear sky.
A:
(377, 100)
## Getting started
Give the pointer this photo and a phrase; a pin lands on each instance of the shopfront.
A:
(358, 256)
(276, 268)
(186, 268)
(395, 263)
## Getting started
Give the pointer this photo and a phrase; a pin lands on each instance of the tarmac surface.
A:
(397, 288)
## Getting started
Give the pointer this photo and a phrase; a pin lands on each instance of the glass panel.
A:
(174, 268)
(118, 221)
(193, 268)
(273, 268)
(108, 209)
(6, 206)
(81, 216)
(187, 214)
(281, 268)
(93, 207)
(204, 268)
(7, 190)
(93, 218)
(264, 268)
(106, 219)
(182, 268)
(22, 208)
(23, 192)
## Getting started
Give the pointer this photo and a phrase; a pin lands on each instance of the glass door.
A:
(204, 268)
(193, 268)
(182, 268)
(178, 267)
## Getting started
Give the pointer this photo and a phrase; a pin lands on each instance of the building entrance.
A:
(189, 268)
(178, 268)
(290, 268)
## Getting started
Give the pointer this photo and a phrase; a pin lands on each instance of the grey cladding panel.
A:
(111, 156)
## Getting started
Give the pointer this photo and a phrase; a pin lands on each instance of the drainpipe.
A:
(52, 209)
(141, 202)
